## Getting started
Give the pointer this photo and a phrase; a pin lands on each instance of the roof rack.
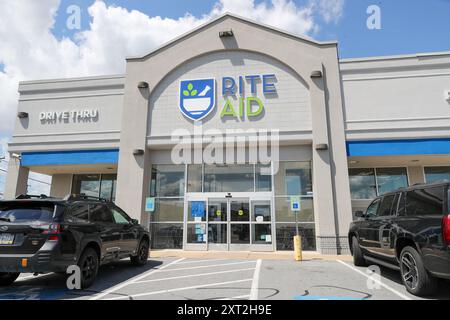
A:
(83, 196)
(32, 196)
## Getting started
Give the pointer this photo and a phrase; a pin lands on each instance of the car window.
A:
(386, 206)
(79, 212)
(26, 211)
(100, 213)
(372, 210)
(119, 217)
(425, 202)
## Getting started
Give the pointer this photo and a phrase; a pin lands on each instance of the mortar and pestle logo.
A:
(197, 98)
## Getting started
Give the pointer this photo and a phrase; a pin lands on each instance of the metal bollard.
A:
(298, 248)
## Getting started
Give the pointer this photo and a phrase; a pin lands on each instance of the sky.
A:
(38, 43)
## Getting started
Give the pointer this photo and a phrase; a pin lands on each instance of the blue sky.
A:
(408, 26)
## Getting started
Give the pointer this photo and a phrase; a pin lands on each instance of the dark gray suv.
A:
(41, 235)
(407, 230)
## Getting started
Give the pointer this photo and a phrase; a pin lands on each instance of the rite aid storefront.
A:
(221, 140)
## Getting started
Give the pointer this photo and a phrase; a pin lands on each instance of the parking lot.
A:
(169, 278)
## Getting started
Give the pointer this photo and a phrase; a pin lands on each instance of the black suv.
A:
(407, 230)
(41, 235)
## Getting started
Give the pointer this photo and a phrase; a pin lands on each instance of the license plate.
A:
(6, 238)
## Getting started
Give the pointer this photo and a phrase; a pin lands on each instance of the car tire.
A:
(141, 257)
(89, 264)
(8, 278)
(358, 258)
(415, 277)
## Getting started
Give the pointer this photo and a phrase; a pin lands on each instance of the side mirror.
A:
(359, 214)
(135, 221)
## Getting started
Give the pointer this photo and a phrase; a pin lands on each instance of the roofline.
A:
(396, 57)
(88, 78)
(232, 15)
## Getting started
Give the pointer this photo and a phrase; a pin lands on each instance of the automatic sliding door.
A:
(239, 224)
(218, 224)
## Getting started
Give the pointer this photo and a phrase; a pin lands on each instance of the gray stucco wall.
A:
(332, 198)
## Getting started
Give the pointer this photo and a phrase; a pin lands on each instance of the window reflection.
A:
(167, 181)
(362, 183)
(437, 174)
(229, 178)
(390, 179)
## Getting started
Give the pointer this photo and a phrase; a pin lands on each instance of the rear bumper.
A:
(48, 259)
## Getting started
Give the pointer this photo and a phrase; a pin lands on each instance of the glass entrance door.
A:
(229, 223)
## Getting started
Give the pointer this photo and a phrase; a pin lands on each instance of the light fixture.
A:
(22, 115)
(321, 146)
(143, 85)
(138, 152)
(316, 74)
(226, 34)
(353, 162)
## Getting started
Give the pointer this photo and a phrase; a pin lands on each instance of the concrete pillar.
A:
(16, 180)
(416, 175)
(133, 174)
(332, 204)
(61, 185)
(322, 184)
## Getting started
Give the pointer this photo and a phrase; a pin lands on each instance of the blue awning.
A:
(60, 158)
(397, 147)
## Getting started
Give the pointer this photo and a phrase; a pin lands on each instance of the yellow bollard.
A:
(298, 248)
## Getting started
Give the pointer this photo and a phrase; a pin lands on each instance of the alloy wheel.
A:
(410, 272)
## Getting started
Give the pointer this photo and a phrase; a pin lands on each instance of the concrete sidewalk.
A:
(277, 255)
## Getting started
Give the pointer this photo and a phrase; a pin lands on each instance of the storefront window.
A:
(284, 213)
(263, 180)
(167, 186)
(293, 178)
(362, 183)
(437, 174)
(167, 181)
(367, 183)
(95, 185)
(286, 232)
(194, 178)
(166, 235)
(108, 186)
(229, 178)
(390, 179)
(168, 210)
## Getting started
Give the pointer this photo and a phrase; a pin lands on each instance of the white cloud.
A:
(330, 10)
(29, 50)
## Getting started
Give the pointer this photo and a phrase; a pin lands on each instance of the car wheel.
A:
(141, 257)
(415, 277)
(88, 264)
(358, 258)
(7, 278)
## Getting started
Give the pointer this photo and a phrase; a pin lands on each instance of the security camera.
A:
(16, 156)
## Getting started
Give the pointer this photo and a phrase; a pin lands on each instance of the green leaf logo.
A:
(190, 91)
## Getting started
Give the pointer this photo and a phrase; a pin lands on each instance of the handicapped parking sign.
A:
(197, 98)
(295, 204)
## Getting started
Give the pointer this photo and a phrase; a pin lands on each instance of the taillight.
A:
(446, 228)
(53, 231)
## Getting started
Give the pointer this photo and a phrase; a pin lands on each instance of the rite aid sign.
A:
(197, 97)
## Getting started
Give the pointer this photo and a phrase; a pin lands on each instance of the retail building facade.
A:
(233, 135)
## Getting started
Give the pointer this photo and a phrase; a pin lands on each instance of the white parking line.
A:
(235, 298)
(255, 282)
(195, 275)
(132, 280)
(197, 261)
(177, 289)
(401, 295)
(208, 266)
